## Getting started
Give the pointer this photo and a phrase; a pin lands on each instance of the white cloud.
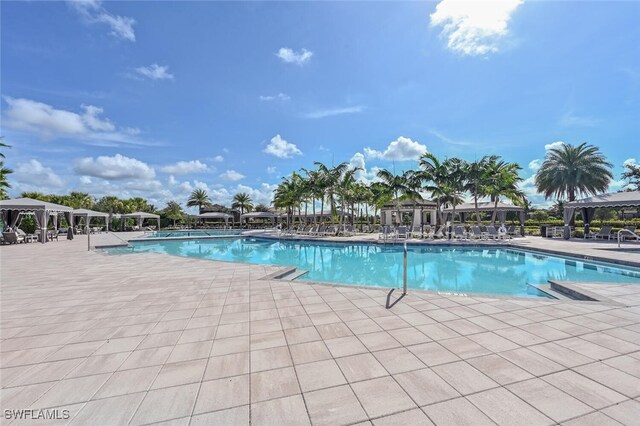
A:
(34, 173)
(272, 170)
(630, 162)
(49, 122)
(93, 13)
(279, 97)
(117, 167)
(292, 57)
(281, 148)
(553, 145)
(334, 111)
(218, 158)
(617, 185)
(260, 195)
(535, 164)
(155, 72)
(85, 180)
(185, 167)
(474, 27)
(569, 119)
(402, 149)
(231, 175)
(363, 175)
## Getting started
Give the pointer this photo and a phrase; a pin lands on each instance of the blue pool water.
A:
(200, 233)
(502, 271)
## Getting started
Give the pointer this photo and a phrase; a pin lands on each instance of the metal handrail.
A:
(404, 272)
(628, 232)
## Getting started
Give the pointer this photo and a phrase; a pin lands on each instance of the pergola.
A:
(589, 205)
(87, 214)
(489, 206)
(216, 215)
(140, 217)
(258, 215)
(42, 210)
(419, 210)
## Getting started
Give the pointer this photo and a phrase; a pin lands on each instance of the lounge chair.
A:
(477, 233)
(12, 237)
(627, 236)
(27, 237)
(493, 233)
(604, 232)
(416, 232)
(511, 230)
(437, 232)
(402, 233)
(459, 233)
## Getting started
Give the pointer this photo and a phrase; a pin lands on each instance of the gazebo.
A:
(216, 215)
(258, 215)
(489, 206)
(140, 217)
(419, 210)
(87, 214)
(589, 205)
(12, 210)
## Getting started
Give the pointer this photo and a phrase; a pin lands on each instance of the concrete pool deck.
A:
(150, 338)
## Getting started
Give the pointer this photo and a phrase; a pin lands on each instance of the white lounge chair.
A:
(604, 232)
(402, 233)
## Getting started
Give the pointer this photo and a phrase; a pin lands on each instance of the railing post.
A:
(404, 272)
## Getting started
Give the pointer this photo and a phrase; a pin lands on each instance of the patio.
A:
(153, 338)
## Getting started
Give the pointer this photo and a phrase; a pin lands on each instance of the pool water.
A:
(501, 271)
(200, 233)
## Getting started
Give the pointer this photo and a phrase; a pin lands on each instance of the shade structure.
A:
(216, 215)
(88, 214)
(490, 206)
(13, 209)
(258, 215)
(590, 204)
(419, 209)
(141, 216)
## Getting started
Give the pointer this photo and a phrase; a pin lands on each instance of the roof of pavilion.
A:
(89, 213)
(31, 205)
(143, 215)
(268, 215)
(616, 199)
(214, 215)
(411, 204)
(485, 206)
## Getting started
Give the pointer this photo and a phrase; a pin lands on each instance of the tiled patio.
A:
(149, 338)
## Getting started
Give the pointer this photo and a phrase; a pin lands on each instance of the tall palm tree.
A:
(330, 178)
(242, 201)
(443, 179)
(199, 198)
(402, 187)
(632, 174)
(477, 179)
(80, 200)
(380, 195)
(286, 196)
(569, 171)
(503, 181)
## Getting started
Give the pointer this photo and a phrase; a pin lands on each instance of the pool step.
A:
(548, 289)
(293, 275)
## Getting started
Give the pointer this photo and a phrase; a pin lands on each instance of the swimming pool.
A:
(485, 270)
(196, 233)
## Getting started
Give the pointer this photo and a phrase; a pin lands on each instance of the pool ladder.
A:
(390, 305)
(626, 231)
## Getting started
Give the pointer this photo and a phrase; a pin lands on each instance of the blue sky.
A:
(155, 99)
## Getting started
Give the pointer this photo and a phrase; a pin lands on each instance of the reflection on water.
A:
(451, 269)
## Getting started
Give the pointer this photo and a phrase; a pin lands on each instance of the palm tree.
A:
(286, 196)
(569, 171)
(199, 198)
(443, 180)
(316, 189)
(80, 200)
(403, 187)
(380, 195)
(243, 202)
(261, 208)
(173, 211)
(477, 179)
(503, 181)
(330, 177)
(632, 174)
